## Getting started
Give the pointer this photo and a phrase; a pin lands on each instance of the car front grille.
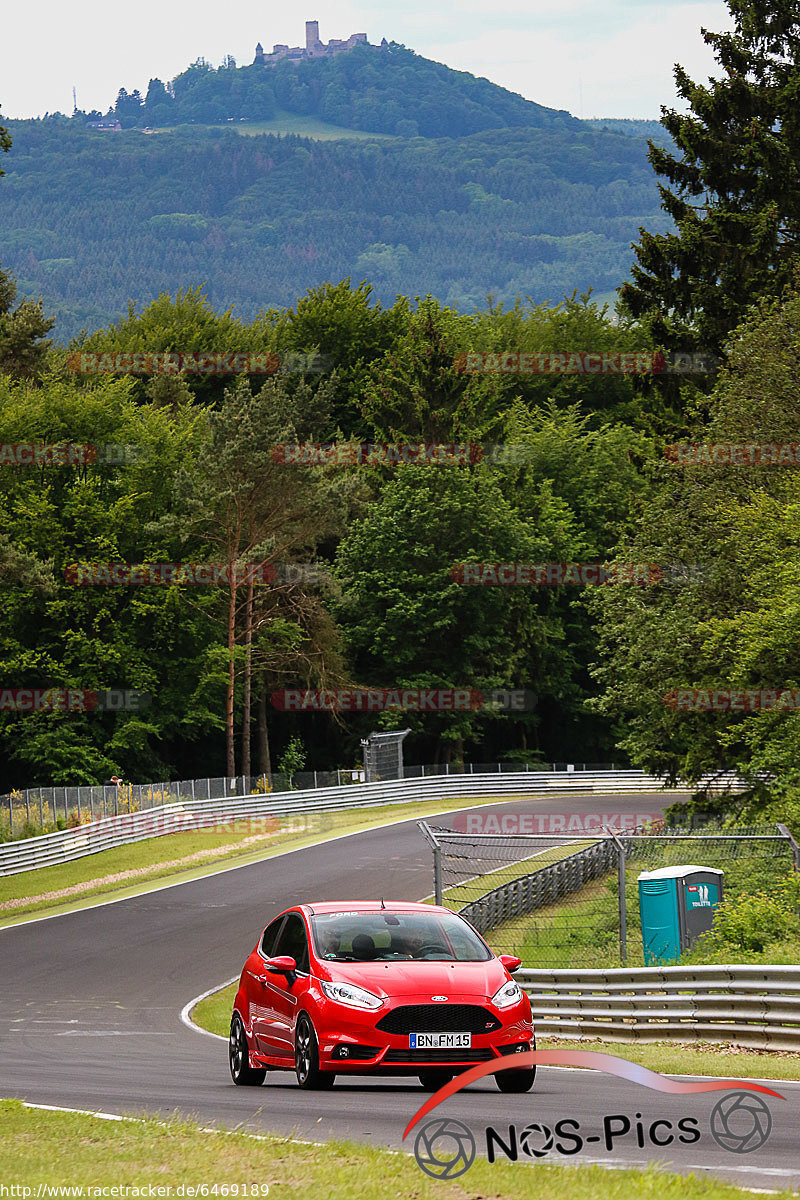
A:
(423, 1057)
(439, 1018)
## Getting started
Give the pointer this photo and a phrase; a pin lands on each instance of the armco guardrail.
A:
(69, 844)
(753, 1006)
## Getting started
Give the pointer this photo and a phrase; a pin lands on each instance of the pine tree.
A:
(5, 143)
(734, 191)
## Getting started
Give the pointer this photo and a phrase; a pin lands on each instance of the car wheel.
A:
(433, 1080)
(306, 1058)
(242, 1074)
(515, 1081)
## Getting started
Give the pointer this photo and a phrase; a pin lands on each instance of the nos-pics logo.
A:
(740, 1122)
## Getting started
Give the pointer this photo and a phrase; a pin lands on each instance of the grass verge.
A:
(461, 894)
(214, 1014)
(69, 1149)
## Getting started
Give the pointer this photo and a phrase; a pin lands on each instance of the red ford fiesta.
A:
(358, 988)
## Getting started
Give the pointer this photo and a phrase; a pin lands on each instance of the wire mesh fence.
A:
(29, 811)
(572, 900)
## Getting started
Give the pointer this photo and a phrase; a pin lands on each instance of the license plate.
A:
(439, 1041)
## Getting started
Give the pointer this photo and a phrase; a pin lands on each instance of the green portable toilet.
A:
(676, 905)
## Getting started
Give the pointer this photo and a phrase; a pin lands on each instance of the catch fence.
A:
(563, 900)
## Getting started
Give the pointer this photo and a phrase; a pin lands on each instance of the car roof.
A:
(348, 906)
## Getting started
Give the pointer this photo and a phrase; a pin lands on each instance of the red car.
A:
(360, 988)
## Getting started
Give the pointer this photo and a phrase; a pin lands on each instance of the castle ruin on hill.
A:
(313, 48)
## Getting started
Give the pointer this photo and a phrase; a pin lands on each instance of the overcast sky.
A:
(607, 59)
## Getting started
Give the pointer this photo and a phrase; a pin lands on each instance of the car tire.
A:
(433, 1080)
(306, 1058)
(242, 1074)
(515, 1081)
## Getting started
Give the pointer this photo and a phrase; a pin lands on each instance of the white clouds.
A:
(622, 52)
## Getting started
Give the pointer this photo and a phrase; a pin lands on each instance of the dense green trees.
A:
(727, 620)
(204, 486)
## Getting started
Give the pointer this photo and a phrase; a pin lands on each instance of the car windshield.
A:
(386, 936)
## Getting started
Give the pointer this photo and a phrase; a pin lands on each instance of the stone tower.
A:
(312, 36)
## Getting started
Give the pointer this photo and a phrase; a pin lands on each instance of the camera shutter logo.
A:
(444, 1149)
(532, 1134)
(740, 1122)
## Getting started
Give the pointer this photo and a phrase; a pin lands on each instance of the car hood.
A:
(467, 981)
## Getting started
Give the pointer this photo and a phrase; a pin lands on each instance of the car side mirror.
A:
(510, 961)
(284, 964)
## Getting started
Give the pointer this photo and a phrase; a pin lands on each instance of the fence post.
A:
(41, 811)
(432, 840)
(795, 848)
(27, 806)
(623, 906)
(10, 815)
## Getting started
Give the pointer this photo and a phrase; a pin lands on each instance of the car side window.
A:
(270, 937)
(293, 941)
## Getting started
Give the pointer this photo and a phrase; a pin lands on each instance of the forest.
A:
(92, 220)
(675, 565)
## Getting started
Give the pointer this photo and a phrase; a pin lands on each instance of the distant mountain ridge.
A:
(378, 89)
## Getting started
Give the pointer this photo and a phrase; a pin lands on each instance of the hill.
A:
(378, 89)
(92, 220)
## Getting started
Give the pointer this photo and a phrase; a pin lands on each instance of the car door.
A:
(284, 991)
(260, 999)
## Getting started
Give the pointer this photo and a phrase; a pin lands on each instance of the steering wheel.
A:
(429, 947)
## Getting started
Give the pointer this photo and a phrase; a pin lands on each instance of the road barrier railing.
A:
(92, 837)
(753, 1006)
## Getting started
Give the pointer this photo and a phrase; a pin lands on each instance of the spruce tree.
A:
(733, 188)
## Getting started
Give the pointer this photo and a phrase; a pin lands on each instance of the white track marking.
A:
(187, 1008)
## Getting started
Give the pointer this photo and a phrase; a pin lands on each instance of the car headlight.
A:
(348, 993)
(510, 993)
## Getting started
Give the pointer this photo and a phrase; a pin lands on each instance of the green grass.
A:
(287, 123)
(69, 1149)
(149, 857)
(214, 1014)
(461, 894)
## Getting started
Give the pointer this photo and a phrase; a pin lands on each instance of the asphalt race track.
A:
(90, 1018)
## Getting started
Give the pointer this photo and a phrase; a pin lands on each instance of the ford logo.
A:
(438, 997)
